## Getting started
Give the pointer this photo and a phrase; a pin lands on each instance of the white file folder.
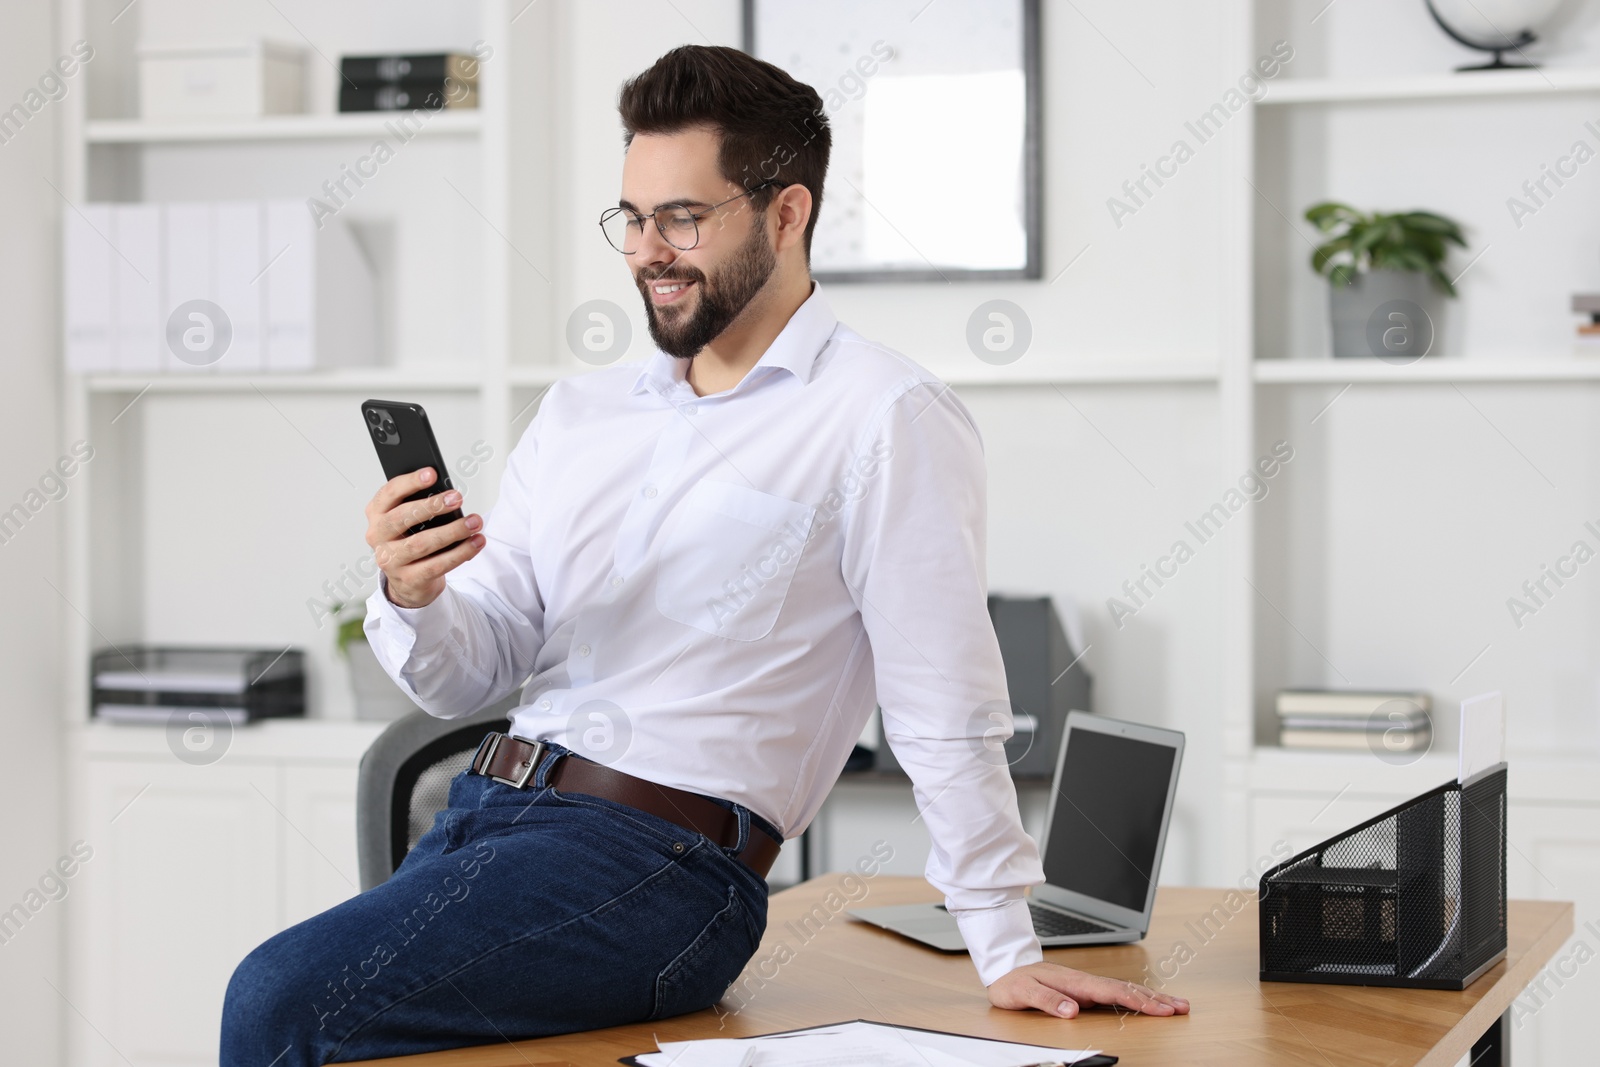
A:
(87, 288)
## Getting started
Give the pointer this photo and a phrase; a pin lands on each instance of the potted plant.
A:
(377, 696)
(1386, 277)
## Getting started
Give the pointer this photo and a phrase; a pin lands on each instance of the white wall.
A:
(1146, 289)
(31, 792)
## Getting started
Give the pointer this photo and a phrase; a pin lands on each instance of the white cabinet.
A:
(1553, 853)
(1282, 826)
(183, 883)
(319, 855)
(192, 866)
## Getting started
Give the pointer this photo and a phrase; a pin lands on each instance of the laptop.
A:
(1111, 803)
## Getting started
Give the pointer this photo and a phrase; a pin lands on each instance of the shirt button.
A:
(583, 650)
(545, 704)
(616, 579)
(689, 409)
(650, 491)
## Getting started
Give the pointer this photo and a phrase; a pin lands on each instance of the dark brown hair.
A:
(772, 127)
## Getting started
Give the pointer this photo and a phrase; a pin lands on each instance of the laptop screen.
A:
(1107, 819)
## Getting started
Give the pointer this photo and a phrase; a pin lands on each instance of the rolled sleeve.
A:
(914, 561)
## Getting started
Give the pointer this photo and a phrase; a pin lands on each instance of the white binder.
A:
(87, 288)
(136, 271)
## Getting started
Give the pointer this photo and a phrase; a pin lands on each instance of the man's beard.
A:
(718, 300)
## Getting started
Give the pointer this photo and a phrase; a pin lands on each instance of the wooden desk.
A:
(850, 970)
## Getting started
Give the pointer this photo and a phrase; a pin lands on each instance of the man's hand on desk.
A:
(1042, 985)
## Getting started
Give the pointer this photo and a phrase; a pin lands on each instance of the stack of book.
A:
(1381, 721)
(401, 83)
(1588, 304)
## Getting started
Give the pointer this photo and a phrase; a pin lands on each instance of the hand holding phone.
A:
(415, 525)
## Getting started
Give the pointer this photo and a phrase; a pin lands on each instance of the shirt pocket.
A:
(727, 557)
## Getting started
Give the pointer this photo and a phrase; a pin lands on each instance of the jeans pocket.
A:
(669, 838)
(699, 975)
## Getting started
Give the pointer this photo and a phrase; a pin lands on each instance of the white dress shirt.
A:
(711, 592)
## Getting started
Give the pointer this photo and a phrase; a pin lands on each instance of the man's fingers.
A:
(427, 542)
(1063, 991)
(397, 489)
(439, 564)
(408, 514)
(1136, 997)
(1050, 1001)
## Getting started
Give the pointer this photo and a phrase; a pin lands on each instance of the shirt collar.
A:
(795, 350)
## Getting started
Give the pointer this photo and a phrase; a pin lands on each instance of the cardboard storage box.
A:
(220, 81)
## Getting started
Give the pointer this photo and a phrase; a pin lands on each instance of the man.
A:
(702, 571)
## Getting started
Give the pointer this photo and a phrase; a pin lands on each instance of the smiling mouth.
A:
(668, 291)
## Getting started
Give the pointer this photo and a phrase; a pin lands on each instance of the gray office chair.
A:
(404, 781)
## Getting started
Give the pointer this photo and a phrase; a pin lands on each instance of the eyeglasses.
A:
(679, 226)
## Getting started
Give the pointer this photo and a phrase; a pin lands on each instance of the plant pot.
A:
(1392, 315)
(378, 698)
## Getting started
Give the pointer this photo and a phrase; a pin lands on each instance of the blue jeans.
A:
(520, 913)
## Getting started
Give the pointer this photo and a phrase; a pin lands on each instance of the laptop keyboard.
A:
(1047, 922)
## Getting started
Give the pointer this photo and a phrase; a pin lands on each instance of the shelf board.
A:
(297, 740)
(278, 128)
(1097, 371)
(1275, 769)
(1543, 81)
(375, 380)
(1536, 777)
(1439, 369)
(524, 374)
(1088, 371)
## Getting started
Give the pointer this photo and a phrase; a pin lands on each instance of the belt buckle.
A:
(493, 741)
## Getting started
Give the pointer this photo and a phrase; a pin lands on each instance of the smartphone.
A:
(405, 444)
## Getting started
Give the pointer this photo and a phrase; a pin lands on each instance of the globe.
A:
(1496, 26)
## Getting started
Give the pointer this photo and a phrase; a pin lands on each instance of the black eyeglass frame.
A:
(611, 213)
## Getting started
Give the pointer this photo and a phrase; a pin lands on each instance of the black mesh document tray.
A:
(1415, 897)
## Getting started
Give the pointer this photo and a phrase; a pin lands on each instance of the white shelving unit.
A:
(1417, 485)
(1538, 82)
(360, 125)
(110, 153)
(1426, 370)
(168, 500)
(328, 383)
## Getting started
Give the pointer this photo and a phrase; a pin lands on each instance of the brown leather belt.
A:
(513, 761)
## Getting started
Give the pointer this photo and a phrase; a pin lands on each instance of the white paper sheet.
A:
(856, 1043)
(1483, 734)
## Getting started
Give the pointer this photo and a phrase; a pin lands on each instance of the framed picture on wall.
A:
(934, 111)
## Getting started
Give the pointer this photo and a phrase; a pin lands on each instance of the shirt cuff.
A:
(1000, 939)
(416, 630)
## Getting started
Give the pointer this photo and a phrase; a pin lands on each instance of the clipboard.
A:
(1097, 1060)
